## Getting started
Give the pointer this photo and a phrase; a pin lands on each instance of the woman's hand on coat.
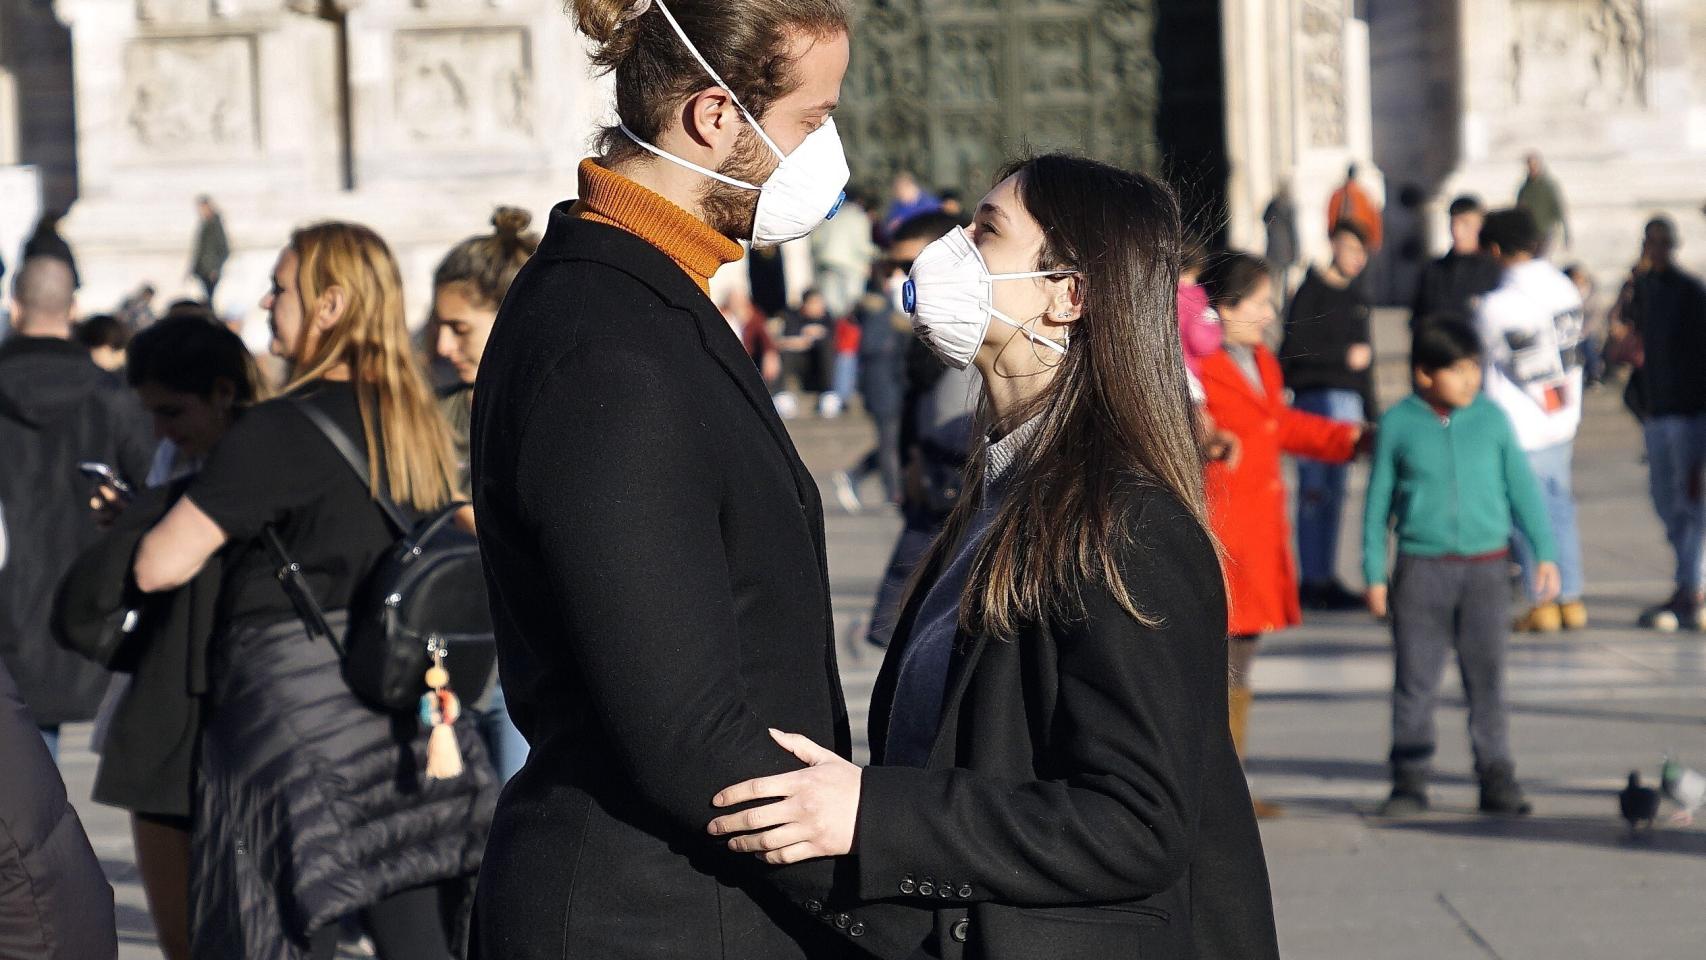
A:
(814, 813)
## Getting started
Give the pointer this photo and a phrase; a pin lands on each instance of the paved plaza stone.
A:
(1587, 708)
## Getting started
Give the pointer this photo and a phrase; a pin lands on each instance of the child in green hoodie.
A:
(1449, 475)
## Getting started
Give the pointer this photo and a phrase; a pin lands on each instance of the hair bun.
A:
(606, 23)
(511, 222)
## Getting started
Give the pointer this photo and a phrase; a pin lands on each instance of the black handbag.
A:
(424, 598)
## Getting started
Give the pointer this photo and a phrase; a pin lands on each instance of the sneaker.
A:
(1546, 618)
(1501, 796)
(829, 406)
(1574, 614)
(846, 492)
(1681, 610)
(787, 405)
(1403, 803)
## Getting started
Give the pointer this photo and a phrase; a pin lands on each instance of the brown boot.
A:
(1238, 714)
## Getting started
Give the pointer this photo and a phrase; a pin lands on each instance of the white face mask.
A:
(950, 297)
(807, 186)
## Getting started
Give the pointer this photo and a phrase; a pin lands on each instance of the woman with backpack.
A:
(196, 378)
(312, 804)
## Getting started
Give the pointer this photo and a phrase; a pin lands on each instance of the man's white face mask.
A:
(807, 186)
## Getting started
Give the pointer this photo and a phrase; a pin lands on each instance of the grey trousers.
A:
(1441, 604)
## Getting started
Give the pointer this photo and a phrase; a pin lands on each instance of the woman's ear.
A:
(330, 309)
(1067, 302)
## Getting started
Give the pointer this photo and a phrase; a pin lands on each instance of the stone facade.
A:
(416, 117)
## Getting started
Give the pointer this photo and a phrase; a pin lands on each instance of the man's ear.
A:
(711, 118)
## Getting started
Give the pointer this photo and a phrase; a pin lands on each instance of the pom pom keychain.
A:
(440, 709)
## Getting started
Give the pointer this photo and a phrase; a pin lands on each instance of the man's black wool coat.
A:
(655, 554)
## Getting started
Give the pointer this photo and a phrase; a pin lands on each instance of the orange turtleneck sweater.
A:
(610, 198)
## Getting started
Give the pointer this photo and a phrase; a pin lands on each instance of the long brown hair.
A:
(485, 266)
(1116, 416)
(371, 337)
(747, 42)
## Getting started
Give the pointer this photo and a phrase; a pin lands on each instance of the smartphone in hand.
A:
(104, 474)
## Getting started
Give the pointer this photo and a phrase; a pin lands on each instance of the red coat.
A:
(1247, 506)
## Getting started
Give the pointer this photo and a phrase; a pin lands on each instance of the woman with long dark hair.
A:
(1052, 774)
(195, 377)
(312, 805)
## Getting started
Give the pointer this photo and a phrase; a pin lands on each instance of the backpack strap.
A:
(357, 461)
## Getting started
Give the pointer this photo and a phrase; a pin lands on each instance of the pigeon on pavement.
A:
(1639, 804)
(1686, 788)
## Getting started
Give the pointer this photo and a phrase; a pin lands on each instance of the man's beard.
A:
(730, 210)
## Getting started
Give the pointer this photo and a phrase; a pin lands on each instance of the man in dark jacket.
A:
(1451, 284)
(653, 543)
(54, 902)
(1544, 201)
(211, 247)
(63, 410)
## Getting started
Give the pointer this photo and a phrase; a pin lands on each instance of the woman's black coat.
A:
(659, 584)
(148, 761)
(1082, 799)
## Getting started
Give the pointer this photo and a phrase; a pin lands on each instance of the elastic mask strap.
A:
(672, 158)
(1034, 275)
(1038, 338)
(756, 127)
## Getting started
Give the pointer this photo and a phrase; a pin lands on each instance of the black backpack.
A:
(425, 596)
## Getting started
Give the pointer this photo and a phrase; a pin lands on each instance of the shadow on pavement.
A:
(1608, 832)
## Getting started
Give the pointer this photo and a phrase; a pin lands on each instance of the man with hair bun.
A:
(654, 544)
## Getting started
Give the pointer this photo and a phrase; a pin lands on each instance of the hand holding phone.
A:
(106, 476)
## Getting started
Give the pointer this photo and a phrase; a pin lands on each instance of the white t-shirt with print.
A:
(1531, 330)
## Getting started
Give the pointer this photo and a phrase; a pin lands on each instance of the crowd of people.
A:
(1082, 418)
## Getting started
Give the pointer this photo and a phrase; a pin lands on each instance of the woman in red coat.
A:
(1247, 499)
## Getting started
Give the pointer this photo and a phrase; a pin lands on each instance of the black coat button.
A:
(857, 929)
(843, 920)
(814, 906)
(965, 891)
(908, 887)
(927, 888)
(960, 930)
(945, 891)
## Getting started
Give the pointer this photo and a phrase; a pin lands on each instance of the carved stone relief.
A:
(465, 87)
(951, 89)
(1579, 53)
(191, 96)
(184, 11)
(1321, 51)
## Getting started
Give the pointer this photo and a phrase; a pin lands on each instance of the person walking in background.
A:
(1451, 287)
(1327, 359)
(1199, 325)
(1667, 322)
(1284, 248)
(907, 199)
(1247, 496)
(1593, 326)
(383, 838)
(1543, 200)
(886, 362)
(934, 432)
(207, 260)
(136, 310)
(807, 352)
(66, 411)
(468, 288)
(1351, 202)
(1449, 474)
(1531, 332)
(46, 242)
(842, 254)
(195, 377)
(56, 904)
(654, 543)
(106, 338)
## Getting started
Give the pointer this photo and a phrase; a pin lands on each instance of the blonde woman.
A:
(312, 806)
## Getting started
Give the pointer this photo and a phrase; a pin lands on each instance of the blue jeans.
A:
(1676, 471)
(1321, 488)
(503, 741)
(1551, 467)
(846, 376)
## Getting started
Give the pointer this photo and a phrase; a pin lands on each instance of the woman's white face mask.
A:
(807, 186)
(951, 299)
